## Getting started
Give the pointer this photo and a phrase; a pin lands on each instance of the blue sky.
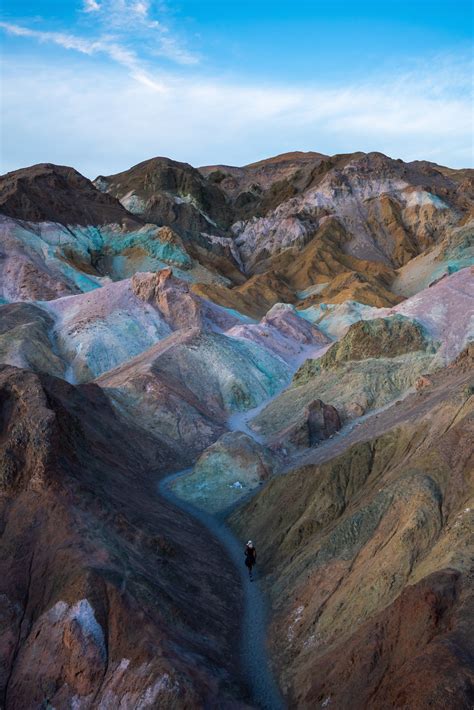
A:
(103, 84)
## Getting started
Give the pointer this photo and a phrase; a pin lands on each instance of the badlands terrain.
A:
(190, 358)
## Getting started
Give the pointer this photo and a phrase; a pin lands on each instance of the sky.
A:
(104, 84)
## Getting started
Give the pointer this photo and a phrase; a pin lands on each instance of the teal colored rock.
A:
(226, 472)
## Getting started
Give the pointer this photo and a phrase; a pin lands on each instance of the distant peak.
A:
(290, 157)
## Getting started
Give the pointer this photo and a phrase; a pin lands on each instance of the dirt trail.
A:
(258, 676)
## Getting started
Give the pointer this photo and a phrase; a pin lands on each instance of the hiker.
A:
(250, 557)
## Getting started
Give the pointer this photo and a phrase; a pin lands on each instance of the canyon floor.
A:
(192, 357)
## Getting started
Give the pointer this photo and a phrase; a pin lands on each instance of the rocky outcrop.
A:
(180, 307)
(419, 640)
(286, 320)
(454, 252)
(26, 339)
(223, 373)
(375, 362)
(283, 333)
(289, 223)
(99, 606)
(184, 388)
(319, 421)
(23, 280)
(97, 331)
(438, 322)
(389, 209)
(226, 472)
(423, 382)
(354, 388)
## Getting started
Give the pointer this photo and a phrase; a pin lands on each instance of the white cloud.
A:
(92, 115)
(141, 8)
(123, 56)
(68, 41)
(123, 23)
(101, 122)
(133, 20)
(91, 6)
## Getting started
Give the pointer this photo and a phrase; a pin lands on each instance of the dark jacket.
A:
(250, 556)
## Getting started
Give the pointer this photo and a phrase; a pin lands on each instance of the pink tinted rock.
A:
(423, 382)
(172, 297)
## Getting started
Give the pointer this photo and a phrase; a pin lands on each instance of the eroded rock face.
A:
(289, 223)
(25, 339)
(179, 306)
(25, 281)
(186, 386)
(366, 559)
(375, 362)
(95, 332)
(96, 572)
(422, 382)
(389, 217)
(287, 322)
(439, 322)
(283, 333)
(321, 421)
(416, 639)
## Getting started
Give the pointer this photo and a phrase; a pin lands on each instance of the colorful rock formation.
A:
(288, 346)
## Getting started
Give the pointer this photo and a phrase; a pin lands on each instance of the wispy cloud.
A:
(91, 6)
(105, 120)
(134, 19)
(104, 123)
(121, 24)
(118, 53)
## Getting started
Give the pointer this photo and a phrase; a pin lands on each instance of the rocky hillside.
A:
(366, 557)
(287, 346)
(89, 561)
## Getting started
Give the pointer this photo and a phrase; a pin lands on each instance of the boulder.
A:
(319, 422)
(322, 420)
(422, 382)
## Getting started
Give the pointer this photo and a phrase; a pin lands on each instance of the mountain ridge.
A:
(288, 346)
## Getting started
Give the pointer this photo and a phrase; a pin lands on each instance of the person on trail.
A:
(250, 557)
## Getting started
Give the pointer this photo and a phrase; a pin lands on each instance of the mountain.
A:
(190, 357)
(55, 193)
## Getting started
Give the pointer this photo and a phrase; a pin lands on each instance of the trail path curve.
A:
(262, 687)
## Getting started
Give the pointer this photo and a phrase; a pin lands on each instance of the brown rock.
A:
(100, 610)
(180, 306)
(421, 667)
(355, 409)
(367, 558)
(323, 421)
(422, 382)
(319, 422)
(56, 193)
